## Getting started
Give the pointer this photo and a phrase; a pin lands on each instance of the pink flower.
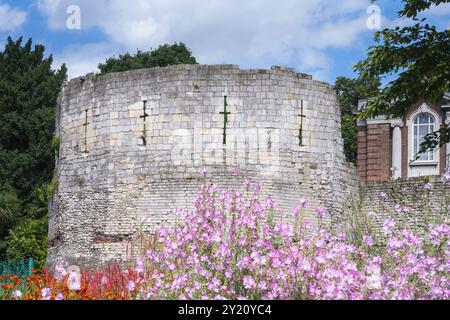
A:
(388, 225)
(17, 294)
(60, 271)
(429, 186)
(46, 294)
(368, 240)
(140, 265)
(247, 183)
(248, 282)
(214, 285)
(394, 244)
(398, 208)
(258, 258)
(303, 202)
(269, 203)
(131, 286)
(204, 171)
(446, 175)
(59, 297)
(320, 211)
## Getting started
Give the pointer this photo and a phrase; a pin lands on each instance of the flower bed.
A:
(231, 247)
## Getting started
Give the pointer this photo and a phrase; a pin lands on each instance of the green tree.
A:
(10, 207)
(165, 55)
(349, 92)
(418, 57)
(28, 92)
(10, 213)
(38, 207)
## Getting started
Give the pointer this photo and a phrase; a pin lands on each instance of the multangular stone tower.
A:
(133, 145)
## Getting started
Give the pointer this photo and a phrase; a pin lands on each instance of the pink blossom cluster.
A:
(232, 247)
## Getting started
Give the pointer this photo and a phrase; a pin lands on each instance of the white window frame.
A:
(424, 108)
(416, 140)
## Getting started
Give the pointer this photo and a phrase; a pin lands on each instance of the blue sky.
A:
(322, 37)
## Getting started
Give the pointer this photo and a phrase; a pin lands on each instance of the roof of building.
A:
(362, 103)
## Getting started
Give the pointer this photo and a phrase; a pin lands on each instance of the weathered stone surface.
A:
(111, 178)
(379, 199)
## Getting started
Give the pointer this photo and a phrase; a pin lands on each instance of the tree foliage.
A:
(165, 55)
(349, 92)
(28, 240)
(418, 55)
(28, 91)
(10, 207)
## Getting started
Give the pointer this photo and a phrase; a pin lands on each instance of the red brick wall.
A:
(374, 152)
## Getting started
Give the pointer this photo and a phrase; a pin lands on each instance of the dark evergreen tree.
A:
(28, 91)
(165, 55)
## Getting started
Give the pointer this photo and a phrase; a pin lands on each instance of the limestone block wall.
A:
(133, 145)
(408, 193)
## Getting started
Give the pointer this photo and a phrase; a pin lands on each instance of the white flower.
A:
(131, 286)
(374, 277)
(74, 281)
(46, 294)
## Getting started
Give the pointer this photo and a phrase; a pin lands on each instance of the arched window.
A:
(423, 125)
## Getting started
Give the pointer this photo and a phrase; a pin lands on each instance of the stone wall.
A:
(121, 166)
(410, 193)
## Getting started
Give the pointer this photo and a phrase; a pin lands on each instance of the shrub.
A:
(28, 240)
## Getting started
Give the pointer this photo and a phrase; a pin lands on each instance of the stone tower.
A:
(133, 145)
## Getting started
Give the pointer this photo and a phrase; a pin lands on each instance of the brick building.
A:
(389, 146)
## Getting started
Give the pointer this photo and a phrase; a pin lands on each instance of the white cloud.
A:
(83, 58)
(250, 33)
(441, 10)
(11, 18)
